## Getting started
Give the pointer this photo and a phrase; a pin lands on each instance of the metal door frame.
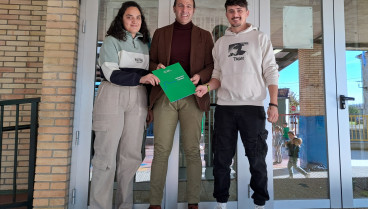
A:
(334, 64)
(348, 200)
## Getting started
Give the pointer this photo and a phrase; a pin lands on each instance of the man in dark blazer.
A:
(191, 46)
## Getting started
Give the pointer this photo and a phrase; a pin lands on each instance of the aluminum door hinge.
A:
(74, 191)
(76, 138)
(84, 26)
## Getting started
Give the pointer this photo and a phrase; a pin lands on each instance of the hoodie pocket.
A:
(242, 86)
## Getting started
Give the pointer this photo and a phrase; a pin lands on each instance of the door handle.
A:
(343, 98)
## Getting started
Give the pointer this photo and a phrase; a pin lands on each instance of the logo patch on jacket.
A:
(237, 50)
(138, 60)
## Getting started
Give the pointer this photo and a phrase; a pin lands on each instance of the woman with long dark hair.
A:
(120, 108)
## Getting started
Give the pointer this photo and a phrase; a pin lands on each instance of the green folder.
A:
(175, 82)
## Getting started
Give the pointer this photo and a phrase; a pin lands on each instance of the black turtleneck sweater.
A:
(180, 45)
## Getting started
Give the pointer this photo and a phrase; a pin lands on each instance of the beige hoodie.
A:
(245, 65)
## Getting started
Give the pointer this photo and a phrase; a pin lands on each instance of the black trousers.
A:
(250, 122)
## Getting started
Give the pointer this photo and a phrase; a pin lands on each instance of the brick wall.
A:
(38, 53)
(22, 25)
(311, 81)
(22, 30)
(57, 105)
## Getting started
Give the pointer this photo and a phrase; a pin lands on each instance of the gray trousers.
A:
(119, 117)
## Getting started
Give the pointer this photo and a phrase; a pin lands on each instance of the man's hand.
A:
(195, 79)
(273, 114)
(201, 90)
(150, 79)
(159, 66)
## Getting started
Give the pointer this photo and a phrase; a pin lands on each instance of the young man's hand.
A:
(273, 114)
(201, 90)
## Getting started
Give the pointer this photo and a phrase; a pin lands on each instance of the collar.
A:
(179, 26)
(137, 35)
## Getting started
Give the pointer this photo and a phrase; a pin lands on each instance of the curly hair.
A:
(242, 3)
(117, 29)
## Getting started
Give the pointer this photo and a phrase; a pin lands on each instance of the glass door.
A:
(210, 15)
(310, 50)
(305, 175)
(353, 101)
(108, 9)
(96, 16)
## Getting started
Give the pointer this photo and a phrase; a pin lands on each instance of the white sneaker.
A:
(259, 207)
(221, 205)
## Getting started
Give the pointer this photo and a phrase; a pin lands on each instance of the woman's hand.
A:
(150, 79)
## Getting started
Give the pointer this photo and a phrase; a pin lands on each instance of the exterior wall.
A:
(22, 30)
(22, 34)
(57, 105)
(38, 58)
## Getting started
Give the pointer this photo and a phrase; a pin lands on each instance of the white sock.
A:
(259, 206)
(221, 205)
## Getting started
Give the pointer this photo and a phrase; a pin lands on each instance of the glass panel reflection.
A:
(300, 171)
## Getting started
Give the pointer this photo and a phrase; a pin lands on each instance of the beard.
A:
(235, 25)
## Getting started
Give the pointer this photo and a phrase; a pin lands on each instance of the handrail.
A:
(19, 101)
(32, 147)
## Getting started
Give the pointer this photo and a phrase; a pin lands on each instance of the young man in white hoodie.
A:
(244, 67)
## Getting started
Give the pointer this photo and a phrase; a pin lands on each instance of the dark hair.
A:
(192, 0)
(291, 132)
(242, 3)
(117, 29)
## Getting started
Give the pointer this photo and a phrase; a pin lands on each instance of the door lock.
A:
(343, 98)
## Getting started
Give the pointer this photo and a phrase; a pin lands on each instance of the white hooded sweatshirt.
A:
(245, 65)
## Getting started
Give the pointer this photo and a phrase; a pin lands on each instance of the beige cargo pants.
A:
(166, 116)
(119, 117)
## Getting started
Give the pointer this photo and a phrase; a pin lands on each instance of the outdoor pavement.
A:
(314, 187)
